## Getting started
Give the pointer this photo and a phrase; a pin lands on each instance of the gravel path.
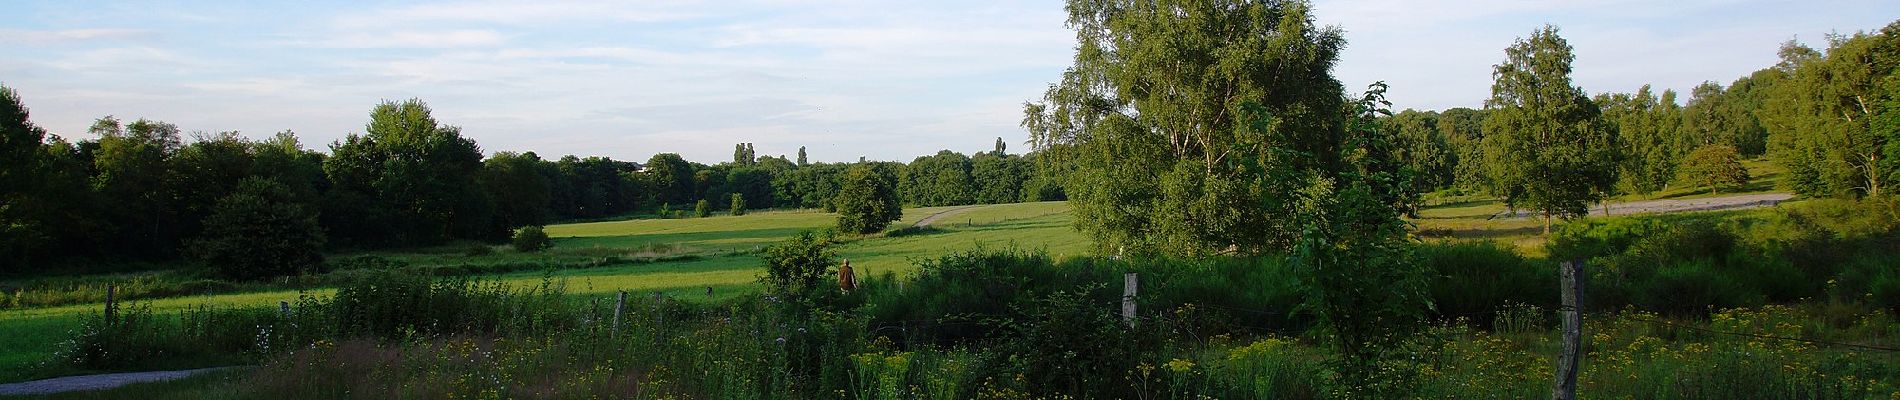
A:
(940, 215)
(96, 382)
(1672, 206)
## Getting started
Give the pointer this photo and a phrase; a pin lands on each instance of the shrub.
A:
(702, 209)
(798, 265)
(738, 204)
(478, 250)
(258, 232)
(1478, 277)
(531, 239)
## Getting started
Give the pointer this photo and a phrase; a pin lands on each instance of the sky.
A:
(886, 80)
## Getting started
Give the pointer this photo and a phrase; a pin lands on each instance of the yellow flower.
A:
(1179, 365)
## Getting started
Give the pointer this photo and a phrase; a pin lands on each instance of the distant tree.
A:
(939, 180)
(1649, 130)
(1546, 146)
(702, 209)
(1000, 147)
(867, 199)
(1715, 166)
(671, 177)
(520, 192)
(1423, 147)
(260, 231)
(1463, 129)
(801, 156)
(998, 178)
(420, 177)
(738, 204)
(531, 239)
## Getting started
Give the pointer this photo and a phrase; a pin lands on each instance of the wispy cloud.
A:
(67, 36)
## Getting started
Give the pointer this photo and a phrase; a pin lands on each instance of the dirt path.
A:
(1672, 206)
(941, 214)
(96, 382)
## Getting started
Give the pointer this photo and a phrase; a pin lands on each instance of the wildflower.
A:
(1179, 365)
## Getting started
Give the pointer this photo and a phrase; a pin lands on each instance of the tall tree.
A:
(672, 179)
(1189, 125)
(1833, 122)
(420, 175)
(998, 178)
(1421, 145)
(519, 190)
(801, 156)
(1649, 129)
(21, 159)
(133, 171)
(1000, 147)
(1547, 147)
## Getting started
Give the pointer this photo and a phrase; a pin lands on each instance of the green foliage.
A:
(1831, 116)
(1715, 166)
(21, 155)
(938, 180)
(1547, 149)
(867, 199)
(522, 193)
(738, 204)
(702, 209)
(799, 266)
(1422, 146)
(672, 178)
(407, 180)
(999, 178)
(260, 231)
(1650, 132)
(1188, 126)
(532, 238)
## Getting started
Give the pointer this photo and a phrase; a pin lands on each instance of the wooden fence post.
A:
(112, 307)
(1130, 282)
(619, 304)
(1572, 293)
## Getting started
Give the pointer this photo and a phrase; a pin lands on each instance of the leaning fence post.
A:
(1129, 284)
(1572, 293)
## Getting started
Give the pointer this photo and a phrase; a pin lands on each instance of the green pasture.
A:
(726, 261)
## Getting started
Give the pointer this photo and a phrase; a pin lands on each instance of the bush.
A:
(799, 265)
(478, 250)
(258, 232)
(738, 204)
(1474, 278)
(530, 239)
(702, 209)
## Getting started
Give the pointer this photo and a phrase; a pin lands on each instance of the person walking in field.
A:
(847, 279)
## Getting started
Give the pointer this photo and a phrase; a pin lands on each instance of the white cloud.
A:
(67, 36)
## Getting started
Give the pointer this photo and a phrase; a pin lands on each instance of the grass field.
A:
(725, 248)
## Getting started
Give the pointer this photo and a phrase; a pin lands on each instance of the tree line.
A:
(1828, 115)
(144, 191)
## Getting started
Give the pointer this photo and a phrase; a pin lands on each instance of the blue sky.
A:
(883, 79)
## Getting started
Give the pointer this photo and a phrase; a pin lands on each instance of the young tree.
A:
(801, 156)
(867, 199)
(738, 204)
(260, 231)
(1547, 147)
(1715, 166)
(702, 209)
(1648, 128)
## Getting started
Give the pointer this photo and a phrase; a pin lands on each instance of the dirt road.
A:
(940, 215)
